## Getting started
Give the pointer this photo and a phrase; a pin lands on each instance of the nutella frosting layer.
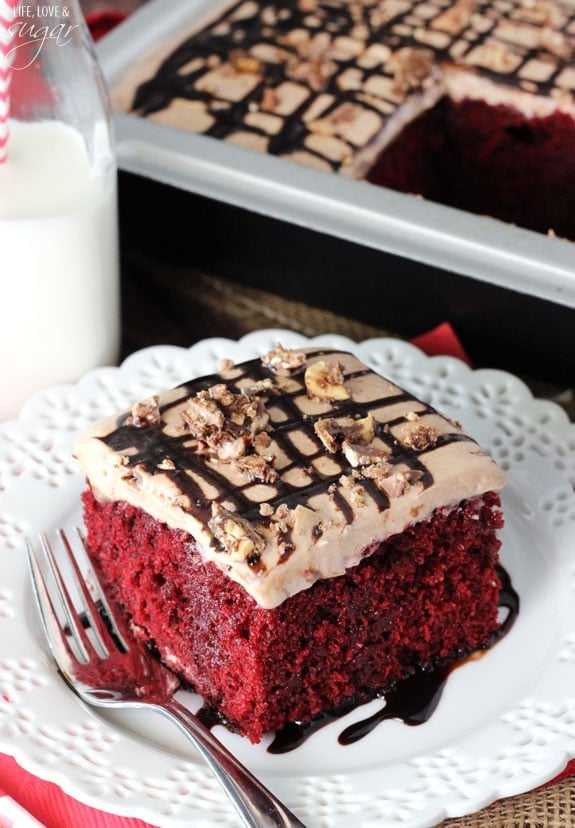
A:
(286, 469)
(330, 82)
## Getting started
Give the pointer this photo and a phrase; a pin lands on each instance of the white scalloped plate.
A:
(505, 723)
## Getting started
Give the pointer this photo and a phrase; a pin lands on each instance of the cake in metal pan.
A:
(469, 103)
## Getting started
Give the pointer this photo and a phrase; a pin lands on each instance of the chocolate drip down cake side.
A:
(464, 102)
(293, 533)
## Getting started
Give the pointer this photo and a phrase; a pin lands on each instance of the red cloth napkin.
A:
(441, 341)
(51, 806)
(101, 22)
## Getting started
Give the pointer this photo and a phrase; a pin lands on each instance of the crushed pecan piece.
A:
(261, 441)
(225, 424)
(332, 433)
(228, 445)
(145, 413)
(258, 467)
(456, 17)
(312, 64)
(263, 386)
(324, 381)
(202, 414)
(245, 63)
(283, 361)
(236, 535)
(418, 436)
(221, 394)
(357, 491)
(360, 455)
(410, 67)
(390, 482)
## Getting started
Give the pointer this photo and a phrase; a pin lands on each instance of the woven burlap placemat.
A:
(549, 807)
(175, 305)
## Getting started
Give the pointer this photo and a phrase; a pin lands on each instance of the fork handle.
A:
(256, 805)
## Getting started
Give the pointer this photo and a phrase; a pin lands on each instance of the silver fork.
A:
(102, 661)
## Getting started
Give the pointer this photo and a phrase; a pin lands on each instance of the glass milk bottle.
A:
(59, 260)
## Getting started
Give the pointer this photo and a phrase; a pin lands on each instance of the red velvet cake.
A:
(337, 84)
(293, 533)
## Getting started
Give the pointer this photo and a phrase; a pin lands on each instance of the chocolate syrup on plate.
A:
(412, 700)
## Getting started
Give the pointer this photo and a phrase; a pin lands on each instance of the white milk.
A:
(59, 264)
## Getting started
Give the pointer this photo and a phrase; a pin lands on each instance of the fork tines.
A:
(77, 623)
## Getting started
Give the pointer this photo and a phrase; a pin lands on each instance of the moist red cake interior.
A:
(489, 160)
(425, 595)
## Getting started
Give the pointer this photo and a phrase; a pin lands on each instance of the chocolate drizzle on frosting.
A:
(146, 448)
(320, 80)
(244, 461)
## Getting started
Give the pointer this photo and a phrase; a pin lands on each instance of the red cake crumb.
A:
(426, 595)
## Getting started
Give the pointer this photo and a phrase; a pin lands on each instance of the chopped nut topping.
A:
(324, 381)
(495, 56)
(226, 364)
(312, 64)
(237, 536)
(201, 414)
(362, 431)
(390, 482)
(244, 62)
(270, 99)
(332, 433)
(377, 472)
(226, 424)
(145, 413)
(261, 441)
(418, 436)
(167, 464)
(356, 491)
(134, 477)
(360, 455)
(221, 394)
(227, 445)
(258, 467)
(410, 67)
(281, 518)
(264, 386)
(456, 17)
(283, 361)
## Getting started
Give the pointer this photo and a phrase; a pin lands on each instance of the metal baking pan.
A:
(476, 246)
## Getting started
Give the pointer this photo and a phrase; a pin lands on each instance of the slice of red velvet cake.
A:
(294, 532)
